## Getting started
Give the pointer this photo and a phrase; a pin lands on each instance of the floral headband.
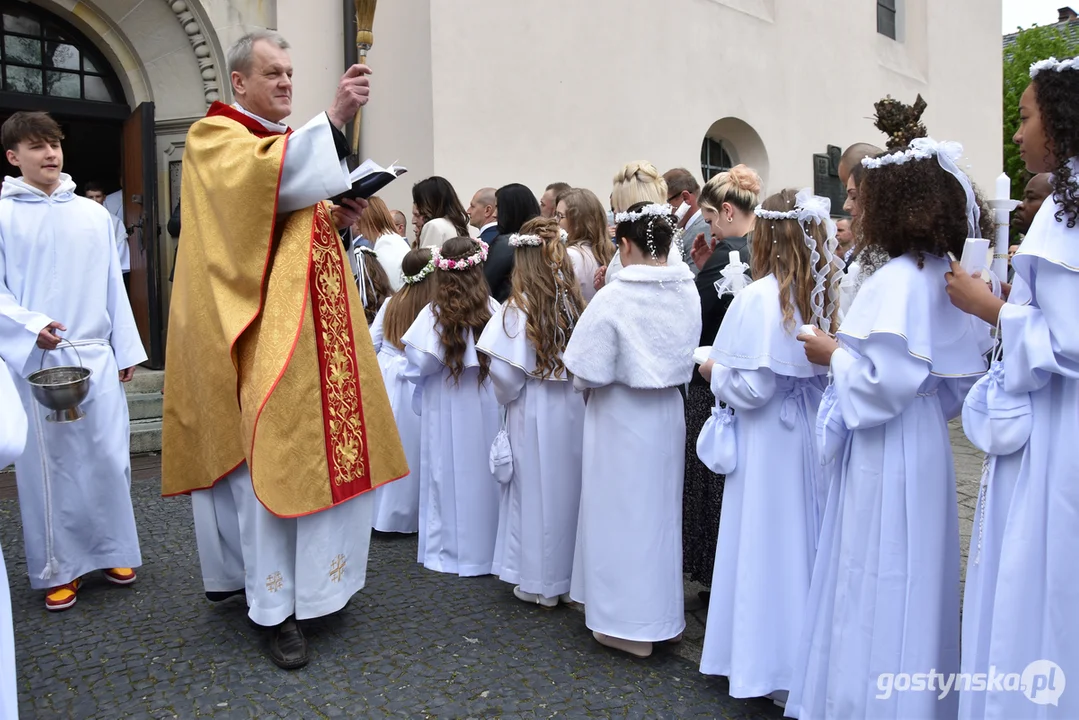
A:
(650, 212)
(525, 240)
(476, 258)
(1053, 64)
(418, 277)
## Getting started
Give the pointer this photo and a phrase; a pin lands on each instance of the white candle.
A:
(1004, 187)
(733, 257)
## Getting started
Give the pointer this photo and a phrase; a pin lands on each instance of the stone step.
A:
(145, 436)
(145, 406)
(146, 382)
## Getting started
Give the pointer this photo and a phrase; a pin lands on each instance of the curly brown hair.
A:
(916, 207)
(403, 308)
(1057, 95)
(461, 306)
(781, 250)
(546, 290)
(377, 284)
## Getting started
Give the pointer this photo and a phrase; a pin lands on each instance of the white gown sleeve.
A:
(19, 326)
(311, 171)
(421, 365)
(122, 247)
(125, 340)
(508, 381)
(879, 385)
(743, 389)
(1042, 341)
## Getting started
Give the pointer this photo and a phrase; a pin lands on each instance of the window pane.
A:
(61, 55)
(889, 4)
(60, 84)
(22, 50)
(886, 22)
(87, 65)
(96, 89)
(15, 23)
(24, 80)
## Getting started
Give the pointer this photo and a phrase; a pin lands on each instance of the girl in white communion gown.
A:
(458, 415)
(632, 349)
(884, 598)
(772, 500)
(397, 504)
(541, 490)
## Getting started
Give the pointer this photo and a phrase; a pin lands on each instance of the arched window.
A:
(715, 158)
(42, 55)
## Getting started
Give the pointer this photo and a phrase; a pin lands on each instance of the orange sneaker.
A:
(63, 596)
(120, 576)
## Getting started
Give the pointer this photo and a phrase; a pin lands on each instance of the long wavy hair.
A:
(1057, 95)
(461, 307)
(780, 249)
(435, 198)
(405, 306)
(377, 283)
(545, 289)
(587, 223)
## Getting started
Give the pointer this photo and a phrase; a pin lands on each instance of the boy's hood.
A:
(18, 189)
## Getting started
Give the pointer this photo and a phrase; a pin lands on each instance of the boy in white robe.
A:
(60, 272)
(12, 441)
(632, 350)
(884, 597)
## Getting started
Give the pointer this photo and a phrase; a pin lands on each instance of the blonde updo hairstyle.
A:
(637, 182)
(740, 187)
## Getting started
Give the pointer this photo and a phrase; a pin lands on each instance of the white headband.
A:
(946, 153)
(525, 240)
(653, 209)
(1053, 64)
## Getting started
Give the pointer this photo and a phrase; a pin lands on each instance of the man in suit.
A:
(483, 214)
(682, 192)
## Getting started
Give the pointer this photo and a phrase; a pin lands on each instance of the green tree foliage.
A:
(1031, 45)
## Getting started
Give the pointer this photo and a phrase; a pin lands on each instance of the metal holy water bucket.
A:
(61, 388)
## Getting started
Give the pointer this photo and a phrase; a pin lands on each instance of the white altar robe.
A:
(58, 262)
(537, 521)
(12, 441)
(633, 348)
(884, 597)
(772, 501)
(397, 504)
(1022, 592)
(458, 422)
(308, 566)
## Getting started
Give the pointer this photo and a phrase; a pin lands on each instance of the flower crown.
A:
(472, 260)
(920, 149)
(650, 210)
(1054, 64)
(424, 272)
(760, 212)
(525, 240)
(366, 251)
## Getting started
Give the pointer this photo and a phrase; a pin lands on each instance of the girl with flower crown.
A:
(772, 501)
(884, 597)
(632, 350)
(397, 504)
(1022, 589)
(458, 415)
(525, 340)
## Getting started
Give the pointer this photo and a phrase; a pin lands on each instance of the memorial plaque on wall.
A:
(826, 179)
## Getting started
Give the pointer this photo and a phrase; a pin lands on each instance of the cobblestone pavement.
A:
(413, 644)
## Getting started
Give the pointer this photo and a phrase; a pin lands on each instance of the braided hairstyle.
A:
(1057, 95)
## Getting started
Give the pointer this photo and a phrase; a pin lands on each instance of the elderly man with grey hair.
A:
(276, 419)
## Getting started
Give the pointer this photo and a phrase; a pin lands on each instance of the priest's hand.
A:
(47, 339)
(353, 92)
(347, 212)
(126, 374)
(819, 347)
(706, 370)
(970, 294)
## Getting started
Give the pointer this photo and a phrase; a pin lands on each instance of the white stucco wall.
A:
(535, 91)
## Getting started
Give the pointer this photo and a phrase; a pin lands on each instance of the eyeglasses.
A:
(559, 216)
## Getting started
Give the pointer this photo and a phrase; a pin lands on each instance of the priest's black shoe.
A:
(221, 595)
(288, 646)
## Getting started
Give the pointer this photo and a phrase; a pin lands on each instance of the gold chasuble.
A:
(269, 356)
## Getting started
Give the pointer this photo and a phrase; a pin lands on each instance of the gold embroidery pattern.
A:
(340, 381)
(337, 568)
(274, 582)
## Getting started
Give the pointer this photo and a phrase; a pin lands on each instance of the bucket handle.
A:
(41, 365)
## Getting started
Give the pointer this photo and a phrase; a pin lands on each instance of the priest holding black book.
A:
(276, 420)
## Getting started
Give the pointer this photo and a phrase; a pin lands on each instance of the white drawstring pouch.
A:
(501, 454)
(717, 447)
(996, 421)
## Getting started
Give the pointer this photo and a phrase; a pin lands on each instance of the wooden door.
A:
(140, 217)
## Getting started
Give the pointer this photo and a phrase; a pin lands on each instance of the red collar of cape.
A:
(219, 108)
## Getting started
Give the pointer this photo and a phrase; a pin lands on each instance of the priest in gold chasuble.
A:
(276, 418)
